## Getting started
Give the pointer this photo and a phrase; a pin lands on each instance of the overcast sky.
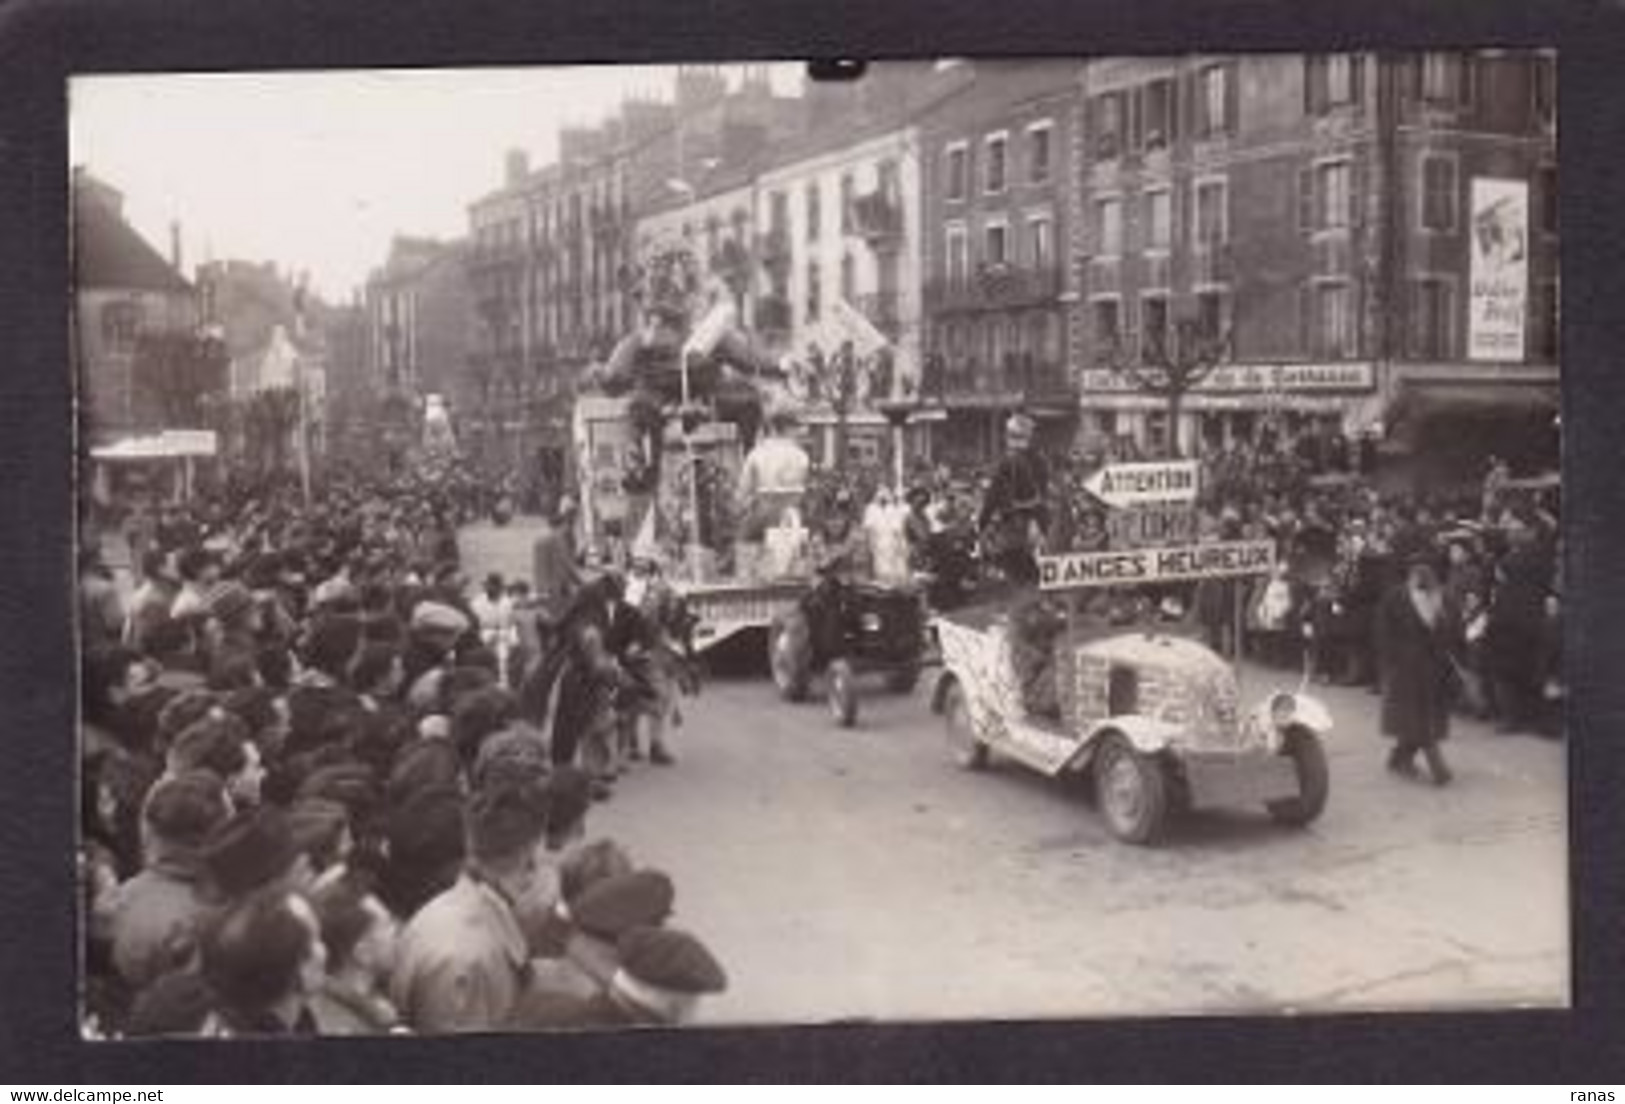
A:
(316, 171)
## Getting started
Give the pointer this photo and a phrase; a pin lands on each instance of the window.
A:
(1107, 325)
(1544, 81)
(1444, 78)
(1158, 114)
(814, 214)
(958, 253)
(1215, 92)
(995, 163)
(815, 291)
(1330, 80)
(1109, 224)
(849, 278)
(848, 194)
(1041, 233)
(1439, 194)
(1159, 211)
(1154, 327)
(1212, 314)
(1430, 314)
(1332, 195)
(958, 171)
(779, 218)
(886, 181)
(1211, 217)
(996, 249)
(1109, 128)
(1334, 321)
(1544, 316)
(1038, 153)
(120, 324)
(1546, 185)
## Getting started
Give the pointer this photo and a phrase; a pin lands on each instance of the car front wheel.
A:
(790, 656)
(963, 744)
(1132, 791)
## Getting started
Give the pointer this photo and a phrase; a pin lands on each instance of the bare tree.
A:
(1172, 364)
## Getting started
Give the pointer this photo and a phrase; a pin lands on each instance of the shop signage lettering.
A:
(1243, 378)
(1185, 563)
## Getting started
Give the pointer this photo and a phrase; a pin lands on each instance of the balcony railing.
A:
(996, 287)
(878, 219)
(774, 247)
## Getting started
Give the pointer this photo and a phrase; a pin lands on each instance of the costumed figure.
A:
(681, 327)
(773, 480)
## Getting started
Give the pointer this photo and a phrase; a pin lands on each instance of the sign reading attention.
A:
(1145, 484)
(1497, 301)
(1139, 566)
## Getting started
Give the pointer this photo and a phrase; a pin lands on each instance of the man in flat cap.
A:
(463, 961)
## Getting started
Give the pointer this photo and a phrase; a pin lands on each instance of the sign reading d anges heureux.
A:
(1184, 563)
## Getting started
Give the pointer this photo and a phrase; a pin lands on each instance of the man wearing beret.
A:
(596, 920)
(662, 976)
(463, 960)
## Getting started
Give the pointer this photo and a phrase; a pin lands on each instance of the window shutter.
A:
(1358, 182)
(1136, 118)
(1306, 200)
(1232, 98)
(1306, 305)
(1175, 109)
(1314, 68)
(1190, 93)
(1357, 80)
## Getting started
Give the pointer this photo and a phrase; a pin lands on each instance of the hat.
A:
(1019, 425)
(587, 866)
(351, 785)
(436, 618)
(505, 820)
(252, 849)
(332, 643)
(182, 711)
(615, 906)
(228, 601)
(517, 753)
(185, 808)
(673, 960)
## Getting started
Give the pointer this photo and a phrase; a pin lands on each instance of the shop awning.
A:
(1420, 401)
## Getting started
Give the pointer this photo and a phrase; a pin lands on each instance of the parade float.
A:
(660, 432)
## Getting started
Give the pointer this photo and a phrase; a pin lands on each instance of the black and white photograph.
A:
(585, 548)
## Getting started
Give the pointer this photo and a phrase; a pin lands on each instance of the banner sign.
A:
(1156, 565)
(1498, 299)
(1144, 484)
(1151, 525)
(1354, 375)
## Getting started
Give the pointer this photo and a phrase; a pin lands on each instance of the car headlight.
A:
(1282, 710)
(870, 622)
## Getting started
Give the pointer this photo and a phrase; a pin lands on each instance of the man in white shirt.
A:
(774, 475)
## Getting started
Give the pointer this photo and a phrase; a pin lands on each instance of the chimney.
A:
(175, 245)
(518, 167)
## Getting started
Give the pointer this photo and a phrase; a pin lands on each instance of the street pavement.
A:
(858, 874)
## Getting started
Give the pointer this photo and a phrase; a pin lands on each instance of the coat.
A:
(1417, 672)
(462, 962)
(155, 919)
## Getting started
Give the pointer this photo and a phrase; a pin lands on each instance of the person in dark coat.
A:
(1416, 675)
(1015, 511)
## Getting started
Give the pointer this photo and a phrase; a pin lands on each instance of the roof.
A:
(108, 253)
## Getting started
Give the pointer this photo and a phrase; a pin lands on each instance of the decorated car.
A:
(1151, 715)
